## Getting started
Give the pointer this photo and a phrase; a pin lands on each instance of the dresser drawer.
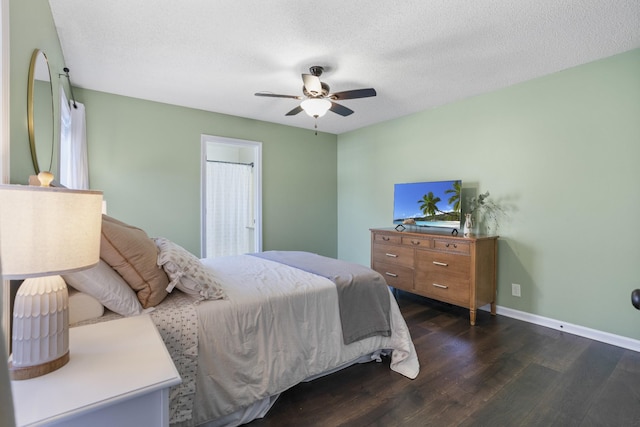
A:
(456, 246)
(444, 287)
(390, 254)
(395, 275)
(387, 238)
(432, 262)
(417, 242)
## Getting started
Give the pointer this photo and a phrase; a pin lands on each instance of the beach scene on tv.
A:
(429, 204)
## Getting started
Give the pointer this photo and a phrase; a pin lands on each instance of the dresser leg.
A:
(493, 308)
(472, 316)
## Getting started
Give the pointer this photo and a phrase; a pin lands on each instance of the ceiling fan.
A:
(317, 99)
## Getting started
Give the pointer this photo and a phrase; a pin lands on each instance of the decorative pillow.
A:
(186, 271)
(104, 284)
(130, 252)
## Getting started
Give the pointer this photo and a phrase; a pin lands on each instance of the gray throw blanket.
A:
(363, 295)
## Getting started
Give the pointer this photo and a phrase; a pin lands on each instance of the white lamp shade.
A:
(316, 107)
(47, 231)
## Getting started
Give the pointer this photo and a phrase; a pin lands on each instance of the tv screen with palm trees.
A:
(427, 204)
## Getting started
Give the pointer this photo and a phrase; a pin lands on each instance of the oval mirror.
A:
(40, 112)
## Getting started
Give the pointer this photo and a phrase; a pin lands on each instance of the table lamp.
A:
(45, 232)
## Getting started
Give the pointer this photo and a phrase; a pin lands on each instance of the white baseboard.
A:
(605, 337)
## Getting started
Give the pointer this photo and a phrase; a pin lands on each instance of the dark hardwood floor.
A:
(501, 372)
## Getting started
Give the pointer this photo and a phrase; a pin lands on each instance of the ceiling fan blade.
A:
(312, 84)
(295, 111)
(340, 109)
(274, 95)
(353, 94)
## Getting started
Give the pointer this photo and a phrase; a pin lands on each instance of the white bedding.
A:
(277, 327)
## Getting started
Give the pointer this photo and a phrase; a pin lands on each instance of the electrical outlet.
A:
(515, 290)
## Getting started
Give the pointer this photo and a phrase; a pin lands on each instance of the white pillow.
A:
(83, 307)
(186, 272)
(105, 284)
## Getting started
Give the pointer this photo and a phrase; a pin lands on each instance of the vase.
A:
(468, 224)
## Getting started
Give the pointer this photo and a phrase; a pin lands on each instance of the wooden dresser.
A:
(453, 269)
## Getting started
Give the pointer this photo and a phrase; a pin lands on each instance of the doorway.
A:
(231, 196)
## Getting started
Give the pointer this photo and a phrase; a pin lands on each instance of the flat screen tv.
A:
(429, 204)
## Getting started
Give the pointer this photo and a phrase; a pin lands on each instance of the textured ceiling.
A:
(215, 54)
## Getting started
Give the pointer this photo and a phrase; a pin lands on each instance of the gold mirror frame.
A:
(39, 72)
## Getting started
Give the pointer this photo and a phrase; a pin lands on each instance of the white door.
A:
(231, 196)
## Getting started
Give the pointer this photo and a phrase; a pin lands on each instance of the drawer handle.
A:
(390, 274)
(442, 264)
(440, 286)
(415, 242)
(392, 255)
(385, 238)
(454, 245)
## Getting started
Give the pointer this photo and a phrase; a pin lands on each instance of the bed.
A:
(242, 329)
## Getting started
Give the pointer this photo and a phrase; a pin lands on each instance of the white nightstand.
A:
(119, 375)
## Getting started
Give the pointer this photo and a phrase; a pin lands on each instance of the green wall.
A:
(560, 153)
(145, 156)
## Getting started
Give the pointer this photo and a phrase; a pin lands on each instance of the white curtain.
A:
(228, 209)
(74, 165)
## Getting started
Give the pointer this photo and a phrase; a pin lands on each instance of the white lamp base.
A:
(40, 328)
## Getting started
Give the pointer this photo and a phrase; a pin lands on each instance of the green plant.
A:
(486, 210)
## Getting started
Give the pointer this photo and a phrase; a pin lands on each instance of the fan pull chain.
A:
(316, 124)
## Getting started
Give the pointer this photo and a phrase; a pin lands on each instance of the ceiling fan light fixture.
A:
(316, 107)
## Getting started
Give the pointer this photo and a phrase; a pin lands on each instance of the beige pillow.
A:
(130, 252)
